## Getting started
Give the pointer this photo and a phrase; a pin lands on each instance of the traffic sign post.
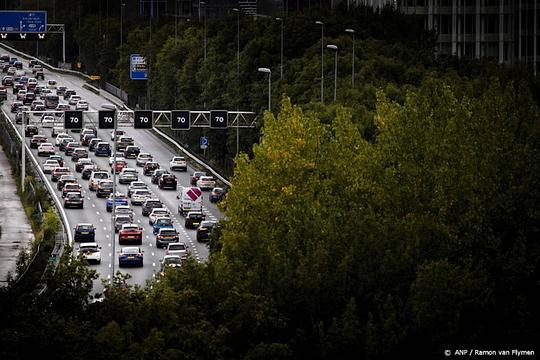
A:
(203, 142)
(137, 67)
(143, 119)
(219, 119)
(180, 120)
(106, 119)
(73, 119)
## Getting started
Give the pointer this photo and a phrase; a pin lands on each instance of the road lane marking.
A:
(154, 264)
(93, 205)
(97, 212)
(153, 254)
(101, 220)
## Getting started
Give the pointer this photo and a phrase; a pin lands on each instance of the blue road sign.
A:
(23, 21)
(137, 67)
(203, 142)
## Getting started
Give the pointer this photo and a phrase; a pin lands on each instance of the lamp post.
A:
(335, 48)
(237, 11)
(281, 66)
(322, 59)
(204, 31)
(351, 31)
(122, 5)
(269, 72)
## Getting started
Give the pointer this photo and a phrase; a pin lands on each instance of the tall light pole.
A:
(322, 59)
(122, 5)
(237, 11)
(335, 48)
(204, 28)
(281, 67)
(269, 72)
(351, 31)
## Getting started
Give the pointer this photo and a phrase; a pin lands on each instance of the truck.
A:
(190, 199)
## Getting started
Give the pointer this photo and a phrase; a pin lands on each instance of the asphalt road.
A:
(95, 209)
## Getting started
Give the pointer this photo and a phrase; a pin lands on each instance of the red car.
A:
(130, 234)
(120, 164)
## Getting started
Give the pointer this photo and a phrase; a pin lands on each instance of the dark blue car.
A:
(130, 256)
(103, 149)
(85, 233)
(121, 199)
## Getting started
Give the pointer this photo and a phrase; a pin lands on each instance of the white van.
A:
(190, 200)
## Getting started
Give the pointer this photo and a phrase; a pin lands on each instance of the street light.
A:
(269, 72)
(335, 48)
(322, 59)
(122, 5)
(237, 11)
(351, 31)
(281, 67)
(204, 33)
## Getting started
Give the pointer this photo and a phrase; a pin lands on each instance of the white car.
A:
(170, 261)
(140, 195)
(49, 165)
(91, 252)
(157, 212)
(178, 248)
(206, 183)
(45, 149)
(43, 93)
(32, 82)
(73, 99)
(127, 175)
(51, 84)
(143, 158)
(124, 210)
(60, 137)
(47, 121)
(178, 163)
(118, 158)
(81, 105)
(62, 107)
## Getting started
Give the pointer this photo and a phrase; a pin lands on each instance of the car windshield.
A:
(173, 261)
(123, 219)
(131, 228)
(101, 176)
(178, 246)
(142, 192)
(86, 227)
(167, 232)
(164, 221)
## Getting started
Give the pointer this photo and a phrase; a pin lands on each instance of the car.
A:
(96, 177)
(64, 142)
(7, 81)
(57, 130)
(157, 174)
(28, 98)
(178, 248)
(18, 64)
(84, 132)
(170, 262)
(19, 117)
(119, 199)
(88, 170)
(119, 166)
(59, 171)
(11, 70)
(3, 93)
(39, 75)
(60, 137)
(81, 105)
(60, 91)
(64, 179)
(167, 181)
(79, 153)
(40, 107)
(140, 195)
(36, 68)
(123, 142)
(57, 158)
(104, 188)
(81, 163)
(119, 156)
(157, 213)
(118, 134)
(143, 158)
(70, 147)
(193, 219)
(60, 108)
(91, 252)
(84, 232)
(149, 205)
(30, 130)
(130, 234)
(178, 163)
(127, 175)
(217, 194)
(46, 149)
(74, 199)
(165, 236)
(47, 122)
(92, 144)
(71, 187)
(132, 152)
(124, 210)
(161, 223)
(20, 95)
(68, 93)
(130, 256)
(37, 140)
(204, 230)
(15, 106)
(103, 149)
(206, 182)
(120, 220)
(18, 86)
(51, 84)
(35, 103)
(49, 166)
(32, 83)
(195, 177)
(135, 185)
(86, 139)
(150, 167)
(73, 99)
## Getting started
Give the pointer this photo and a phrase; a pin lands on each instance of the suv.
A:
(103, 149)
(150, 167)
(90, 252)
(167, 181)
(150, 204)
(70, 147)
(132, 152)
(195, 177)
(193, 219)
(95, 178)
(30, 130)
(142, 158)
(104, 188)
(165, 236)
(178, 163)
(123, 142)
(74, 199)
(79, 153)
(85, 232)
(204, 230)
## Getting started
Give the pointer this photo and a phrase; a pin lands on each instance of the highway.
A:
(94, 208)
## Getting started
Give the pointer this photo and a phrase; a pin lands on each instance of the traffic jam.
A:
(69, 158)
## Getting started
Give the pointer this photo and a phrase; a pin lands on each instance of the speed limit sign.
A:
(219, 119)
(73, 119)
(180, 120)
(143, 119)
(106, 119)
